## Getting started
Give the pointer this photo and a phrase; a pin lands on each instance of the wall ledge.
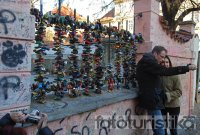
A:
(67, 107)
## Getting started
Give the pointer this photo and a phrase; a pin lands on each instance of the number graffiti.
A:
(103, 130)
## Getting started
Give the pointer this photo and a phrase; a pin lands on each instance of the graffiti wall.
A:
(16, 25)
(95, 122)
(16, 35)
(15, 55)
(15, 90)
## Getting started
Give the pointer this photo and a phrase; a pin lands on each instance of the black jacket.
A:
(6, 120)
(148, 74)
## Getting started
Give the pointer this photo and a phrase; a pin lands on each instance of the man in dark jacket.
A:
(151, 95)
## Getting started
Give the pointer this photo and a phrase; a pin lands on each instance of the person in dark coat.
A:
(8, 121)
(151, 96)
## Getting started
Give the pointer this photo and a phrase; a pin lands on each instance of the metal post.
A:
(41, 7)
(134, 24)
(88, 19)
(74, 14)
(75, 19)
(59, 7)
(119, 25)
(109, 53)
(126, 25)
(197, 80)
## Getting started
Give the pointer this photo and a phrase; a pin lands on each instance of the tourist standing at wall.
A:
(150, 94)
(173, 90)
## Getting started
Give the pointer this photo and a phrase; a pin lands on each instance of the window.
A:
(130, 27)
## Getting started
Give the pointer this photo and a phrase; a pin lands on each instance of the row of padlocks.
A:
(89, 74)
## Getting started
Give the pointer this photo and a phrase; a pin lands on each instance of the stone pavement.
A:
(196, 131)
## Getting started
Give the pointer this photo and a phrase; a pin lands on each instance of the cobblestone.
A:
(196, 131)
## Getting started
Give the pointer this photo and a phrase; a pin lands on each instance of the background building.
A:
(121, 16)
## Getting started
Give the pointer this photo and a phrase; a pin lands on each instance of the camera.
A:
(34, 117)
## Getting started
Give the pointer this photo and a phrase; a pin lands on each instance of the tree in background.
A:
(33, 2)
(174, 11)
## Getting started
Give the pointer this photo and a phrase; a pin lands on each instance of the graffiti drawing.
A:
(13, 55)
(6, 16)
(9, 82)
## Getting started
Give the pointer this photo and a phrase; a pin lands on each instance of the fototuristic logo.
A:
(187, 122)
(143, 122)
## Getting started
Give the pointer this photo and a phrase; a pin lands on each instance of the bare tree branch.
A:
(33, 2)
(172, 8)
(186, 12)
(194, 3)
(104, 8)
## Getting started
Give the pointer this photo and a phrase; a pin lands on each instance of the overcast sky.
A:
(84, 7)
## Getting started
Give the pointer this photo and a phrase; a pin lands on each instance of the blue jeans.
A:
(158, 124)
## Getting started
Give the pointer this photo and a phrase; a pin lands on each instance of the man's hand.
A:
(192, 67)
(18, 117)
(43, 121)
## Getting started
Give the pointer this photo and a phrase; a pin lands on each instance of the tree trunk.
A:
(170, 9)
